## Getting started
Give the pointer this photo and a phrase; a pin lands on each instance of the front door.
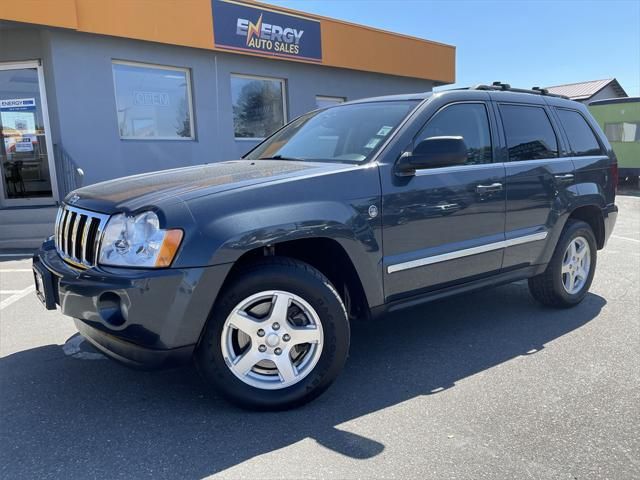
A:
(445, 225)
(27, 175)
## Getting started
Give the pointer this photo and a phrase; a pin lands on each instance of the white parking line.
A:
(9, 292)
(626, 238)
(17, 296)
(15, 270)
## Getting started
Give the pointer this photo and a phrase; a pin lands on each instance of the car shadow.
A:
(93, 418)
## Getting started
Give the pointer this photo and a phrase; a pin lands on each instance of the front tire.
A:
(277, 337)
(567, 278)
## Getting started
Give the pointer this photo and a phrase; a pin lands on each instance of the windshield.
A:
(346, 133)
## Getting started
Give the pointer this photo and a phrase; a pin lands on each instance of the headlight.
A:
(138, 242)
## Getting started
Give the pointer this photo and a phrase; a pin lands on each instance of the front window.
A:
(258, 106)
(153, 102)
(467, 120)
(346, 133)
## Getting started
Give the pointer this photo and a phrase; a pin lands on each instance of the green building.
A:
(620, 120)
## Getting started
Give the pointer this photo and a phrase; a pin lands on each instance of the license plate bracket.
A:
(45, 290)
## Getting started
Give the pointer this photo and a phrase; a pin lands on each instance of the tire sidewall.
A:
(324, 300)
(574, 230)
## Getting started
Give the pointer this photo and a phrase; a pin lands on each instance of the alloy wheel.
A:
(576, 264)
(272, 339)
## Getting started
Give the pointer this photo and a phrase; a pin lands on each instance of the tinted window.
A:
(529, 133)
(581, 137)
(467, 120)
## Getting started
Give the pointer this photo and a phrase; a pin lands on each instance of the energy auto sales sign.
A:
(249, 28)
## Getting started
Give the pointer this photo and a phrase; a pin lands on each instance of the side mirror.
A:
(433, 152)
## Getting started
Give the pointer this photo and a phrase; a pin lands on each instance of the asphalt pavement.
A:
(485, 385)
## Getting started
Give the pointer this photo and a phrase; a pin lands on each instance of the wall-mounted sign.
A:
(249, 28)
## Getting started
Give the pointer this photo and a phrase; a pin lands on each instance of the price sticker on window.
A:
(372, 143)
(384, 131)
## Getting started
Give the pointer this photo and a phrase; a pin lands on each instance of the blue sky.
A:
(524, 43)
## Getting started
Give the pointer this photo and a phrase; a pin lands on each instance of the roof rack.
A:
(499, 86)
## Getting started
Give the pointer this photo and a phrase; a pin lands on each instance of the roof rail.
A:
(499, 86)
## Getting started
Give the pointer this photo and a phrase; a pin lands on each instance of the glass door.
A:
(27, 174)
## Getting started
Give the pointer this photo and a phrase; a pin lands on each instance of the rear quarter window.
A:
(529, 133)
(582, 140)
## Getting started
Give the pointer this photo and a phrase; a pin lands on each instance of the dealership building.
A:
(92, 90)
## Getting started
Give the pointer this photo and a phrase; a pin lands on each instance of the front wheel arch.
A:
(326, 255)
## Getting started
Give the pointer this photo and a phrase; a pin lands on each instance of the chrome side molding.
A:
(421, 262)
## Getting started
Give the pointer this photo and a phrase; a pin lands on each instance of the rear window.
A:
(582, 140)
(530, 135)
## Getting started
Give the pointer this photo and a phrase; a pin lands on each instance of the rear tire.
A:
(277, 338)
(569, 274)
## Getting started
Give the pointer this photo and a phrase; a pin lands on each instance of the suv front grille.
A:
(77, 235)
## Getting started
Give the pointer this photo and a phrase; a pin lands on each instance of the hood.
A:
(181, 184)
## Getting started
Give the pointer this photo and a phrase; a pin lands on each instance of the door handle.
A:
(565, 177)
(494, 187)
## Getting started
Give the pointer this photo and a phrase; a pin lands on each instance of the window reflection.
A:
(530, 135)
(153, 102)
(467, 120)
(258, 106)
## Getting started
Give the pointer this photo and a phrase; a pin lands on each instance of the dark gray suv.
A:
(254, 267)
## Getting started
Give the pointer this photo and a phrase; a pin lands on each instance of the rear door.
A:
(540, 180)
(589, 156)
(445, 225)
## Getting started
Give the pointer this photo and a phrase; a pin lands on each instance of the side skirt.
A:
(493, 281)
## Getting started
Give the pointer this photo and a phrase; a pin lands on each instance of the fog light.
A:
(110, 309)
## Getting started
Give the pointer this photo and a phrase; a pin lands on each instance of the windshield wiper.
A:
(280, 157)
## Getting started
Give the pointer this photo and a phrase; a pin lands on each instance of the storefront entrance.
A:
(27, 168)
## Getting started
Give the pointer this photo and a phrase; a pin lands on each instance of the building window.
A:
(153, 102)
(530, 135)
(323, 101)
(259, 106)
(622, 132)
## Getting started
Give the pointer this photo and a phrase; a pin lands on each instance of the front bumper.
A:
(144, 318)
